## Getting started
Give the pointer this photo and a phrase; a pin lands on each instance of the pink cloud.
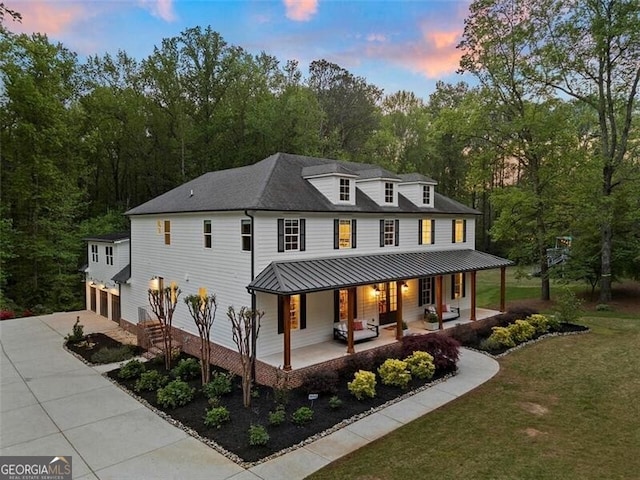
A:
(160, 8)
(47, 17)
(300, 10)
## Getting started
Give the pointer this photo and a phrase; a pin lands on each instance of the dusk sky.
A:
(404, 44)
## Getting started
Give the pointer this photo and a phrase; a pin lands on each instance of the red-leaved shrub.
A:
(444, 350)
(7, 314)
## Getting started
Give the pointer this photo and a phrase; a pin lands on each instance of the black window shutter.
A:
(420, 231)
(336, 234)
(336, 305)
(302, 235)
(280, 314)
(281, 234)
(355, 302)
(382, 233)
(353, 233)
(453, 287)
(420, 290)
(397, 232)
(303, 311)
(464, 285)
(464, 230)
(433, 231)
(453, 231)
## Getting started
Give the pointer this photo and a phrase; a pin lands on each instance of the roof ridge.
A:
(271, 169)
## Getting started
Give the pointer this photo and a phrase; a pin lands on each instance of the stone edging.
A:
(529, 342)
(236, 459)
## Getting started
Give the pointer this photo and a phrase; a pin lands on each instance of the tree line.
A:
(545, 144)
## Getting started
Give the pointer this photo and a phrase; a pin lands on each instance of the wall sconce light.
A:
(376, 290)
(92, 283)
(405, 286)
(156, 283)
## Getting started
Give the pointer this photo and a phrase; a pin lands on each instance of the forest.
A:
(545, 142)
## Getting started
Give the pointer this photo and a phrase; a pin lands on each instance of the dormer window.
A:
(388, 192)
(345, 189)
(426, 194)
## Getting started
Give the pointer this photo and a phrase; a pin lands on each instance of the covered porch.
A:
(347, 274)
(330, 350)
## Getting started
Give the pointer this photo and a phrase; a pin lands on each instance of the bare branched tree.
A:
(203, 310)
(163, 302)
(245, 326)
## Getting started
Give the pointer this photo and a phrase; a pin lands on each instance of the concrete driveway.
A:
(51, 403)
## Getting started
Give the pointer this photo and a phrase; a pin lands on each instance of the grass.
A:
(563, 408)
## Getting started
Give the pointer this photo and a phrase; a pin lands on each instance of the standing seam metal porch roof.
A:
(305, 276)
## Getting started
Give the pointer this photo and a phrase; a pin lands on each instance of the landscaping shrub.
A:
(325, 381)
(175, 394)
(187, 369)
(568, 307)
(357, 362)
(7, 314)
(282, 387)
(395, 372)
(131, 370)
(335, 402)
(112, 355)
(278, 416)
(603, 307)
(77, 333)
(420, 365)
(258, 435)
(539, 322)
(216, 416)
(521, 331)
(220, 384)
(363, 384)
(502, 336)
(302, 416)
(490, 344)
(444, 350)
(151, 380)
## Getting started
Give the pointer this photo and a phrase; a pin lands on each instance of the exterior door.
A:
(115, 308)
(387, 303)
(92, 292)
(104, 304)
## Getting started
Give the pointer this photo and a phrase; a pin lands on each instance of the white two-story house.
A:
(310, 242)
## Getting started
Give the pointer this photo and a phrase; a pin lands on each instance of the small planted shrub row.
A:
(363, 384)
(518, 332)
(175, 394)
(444, 350)
(150, 381)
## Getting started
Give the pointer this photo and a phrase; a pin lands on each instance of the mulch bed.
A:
(94, 342)
(233, 436)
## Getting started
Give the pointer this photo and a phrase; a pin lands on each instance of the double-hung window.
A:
(458, 286)
(167, 232)
(344, 233)
(94, 253)
(345, 189)
(388, 192)
(108, 252)
(297, 312)
(291, 234)
(426, 291)
(426, 231)
(389, 233)
(206, 232)
(245, 233)
(458, 231)
(426, 194)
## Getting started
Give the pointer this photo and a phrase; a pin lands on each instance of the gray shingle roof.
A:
(325, 169)
(349, 271)
(276, 184)
(109, 237)
(123, 275)
(416, 177)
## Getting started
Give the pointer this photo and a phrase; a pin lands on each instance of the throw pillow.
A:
(358, 325)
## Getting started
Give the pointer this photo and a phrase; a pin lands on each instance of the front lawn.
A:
(564, 408)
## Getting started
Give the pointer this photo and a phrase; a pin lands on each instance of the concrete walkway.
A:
(53, 404)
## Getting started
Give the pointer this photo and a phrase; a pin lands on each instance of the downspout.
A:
(253, 303)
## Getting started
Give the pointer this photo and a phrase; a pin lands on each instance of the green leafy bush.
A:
(175, 394)
(395, 372)
(220, 384)
(216, 416)
(335, 402)
(363, 384)
(420, 365)
(131, 370)
(77, 333)
(302, 416)
(258, 435)
(521, 331)
(151, 380)
(187, 369)
(325, 381)
(278, 416)
(502, 336)
(113, 355)
(490, 344)
(568, 307)
(603, 307)
(539, 322)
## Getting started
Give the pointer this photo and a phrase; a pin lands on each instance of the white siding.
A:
(413, 192)
(329, 186)
(374, 189)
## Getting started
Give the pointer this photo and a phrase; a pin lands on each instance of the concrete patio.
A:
(53, 404)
